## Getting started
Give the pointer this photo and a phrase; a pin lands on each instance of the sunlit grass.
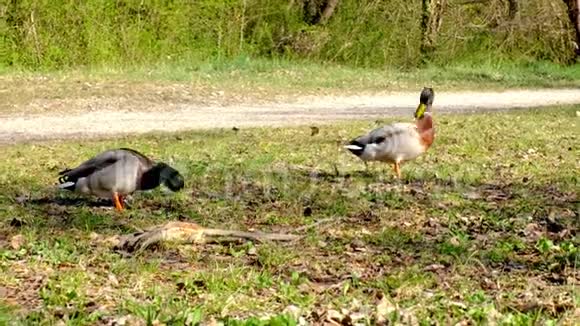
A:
(482, 228)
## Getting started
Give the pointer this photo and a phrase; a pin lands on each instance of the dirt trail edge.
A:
(306, 110)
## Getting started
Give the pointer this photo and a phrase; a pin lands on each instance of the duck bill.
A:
(420, 111)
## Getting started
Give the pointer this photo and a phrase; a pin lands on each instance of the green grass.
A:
(483, 228)
(279, 74)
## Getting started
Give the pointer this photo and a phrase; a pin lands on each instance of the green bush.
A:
(366, 33)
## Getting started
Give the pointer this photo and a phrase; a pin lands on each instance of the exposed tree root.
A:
(190, 233)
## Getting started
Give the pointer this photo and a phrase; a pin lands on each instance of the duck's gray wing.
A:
(381, 140)
(99, 162)
(381, 134)
(144, 160)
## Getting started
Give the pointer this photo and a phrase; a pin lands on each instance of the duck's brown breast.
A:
(426, 130)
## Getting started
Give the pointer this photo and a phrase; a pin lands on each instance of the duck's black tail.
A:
(355, 147)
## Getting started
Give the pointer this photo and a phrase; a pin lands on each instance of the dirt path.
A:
(104, 120)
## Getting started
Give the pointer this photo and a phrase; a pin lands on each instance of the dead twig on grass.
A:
(190, 233)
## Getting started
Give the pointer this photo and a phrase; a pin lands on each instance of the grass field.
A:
(252, 79)
(483, 228)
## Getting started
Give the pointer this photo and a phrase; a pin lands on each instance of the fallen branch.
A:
(189, 233)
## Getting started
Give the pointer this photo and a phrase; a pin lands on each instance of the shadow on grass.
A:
(68, 201)
(317, 193)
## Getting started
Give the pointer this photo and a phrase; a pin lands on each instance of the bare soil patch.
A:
(166, 109)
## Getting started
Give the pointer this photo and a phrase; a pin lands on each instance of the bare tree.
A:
(513, 8)
(574, 15)
(318, 12)
(431, 19)
(328, 11)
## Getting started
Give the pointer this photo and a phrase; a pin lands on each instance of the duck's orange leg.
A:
(118, 200)
(397, 168)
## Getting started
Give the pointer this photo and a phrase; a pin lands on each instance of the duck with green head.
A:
(117, 173)
(399, 142)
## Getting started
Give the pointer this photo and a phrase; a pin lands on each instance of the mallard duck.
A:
(117, 173)
(399, 142)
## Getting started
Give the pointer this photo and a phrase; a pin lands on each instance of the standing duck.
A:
(399, 142)
(117, 173)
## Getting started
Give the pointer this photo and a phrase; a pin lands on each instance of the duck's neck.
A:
(426, 129)
(151, 178)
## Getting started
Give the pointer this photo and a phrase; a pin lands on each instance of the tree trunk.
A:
(328, 11)
(431, 18)
(512, 8)
(318, 12)
(574, 15)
